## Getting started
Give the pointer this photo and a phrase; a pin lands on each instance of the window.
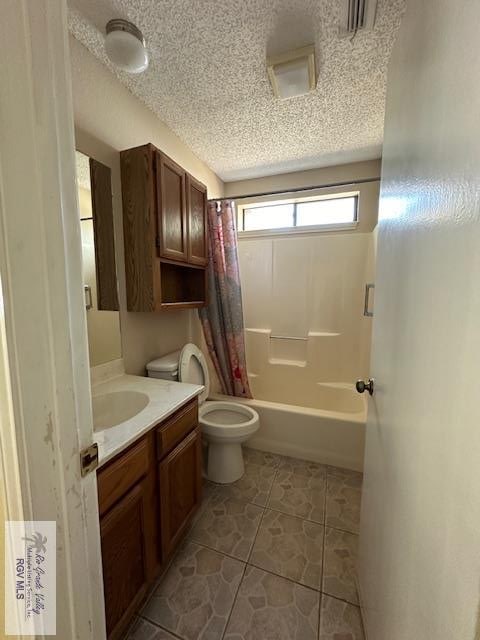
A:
(309, 213)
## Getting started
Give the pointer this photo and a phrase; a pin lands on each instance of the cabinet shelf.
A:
(181, 286)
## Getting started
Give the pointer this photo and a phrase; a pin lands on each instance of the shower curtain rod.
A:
(297, 189)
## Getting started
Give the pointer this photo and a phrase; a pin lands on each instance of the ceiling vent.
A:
(356, 15)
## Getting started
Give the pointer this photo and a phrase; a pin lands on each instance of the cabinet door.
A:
(172, 210)
(197, 222)
(180, 489)
(124, 559)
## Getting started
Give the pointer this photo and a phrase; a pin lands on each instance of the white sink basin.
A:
(110, 409)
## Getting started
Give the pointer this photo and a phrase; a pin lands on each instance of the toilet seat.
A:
(192, 368)
(227, 419)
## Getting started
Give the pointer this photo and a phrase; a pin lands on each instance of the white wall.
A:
(420, 526)
(108, 118)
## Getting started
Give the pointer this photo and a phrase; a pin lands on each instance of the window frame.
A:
(294, 229)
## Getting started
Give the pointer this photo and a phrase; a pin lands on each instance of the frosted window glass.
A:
(334, 211)
(274, 217)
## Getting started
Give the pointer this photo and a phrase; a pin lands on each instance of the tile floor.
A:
(271, 556)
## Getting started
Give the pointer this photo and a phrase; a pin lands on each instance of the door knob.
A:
(369, 386)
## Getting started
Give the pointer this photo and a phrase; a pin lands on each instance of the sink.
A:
(110, 409)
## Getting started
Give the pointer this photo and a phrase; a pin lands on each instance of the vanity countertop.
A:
(164, 398)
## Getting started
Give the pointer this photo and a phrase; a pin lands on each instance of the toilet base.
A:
(225, 462)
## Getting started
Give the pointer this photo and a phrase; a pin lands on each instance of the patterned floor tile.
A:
(270, 607)
(339, 621)
(303, 467)
(209, 489)
(228, 526)
(344, 495)
(290, 547)
(253, 487)
(340, 565)
(298, 495)
(263, 458)
(196, 595)
(144, 630)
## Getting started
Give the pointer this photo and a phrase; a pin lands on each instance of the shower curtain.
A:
(222, 318)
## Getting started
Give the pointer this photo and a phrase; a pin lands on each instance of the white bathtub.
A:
(324, 422)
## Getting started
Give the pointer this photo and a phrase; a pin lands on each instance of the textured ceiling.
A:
(207, 78)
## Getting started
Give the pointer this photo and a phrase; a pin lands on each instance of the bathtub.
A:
(323, 422)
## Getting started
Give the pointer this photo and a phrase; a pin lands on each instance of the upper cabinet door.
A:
(197, 222)
(172, 211)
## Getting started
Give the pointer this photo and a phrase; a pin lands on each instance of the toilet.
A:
(225, 425)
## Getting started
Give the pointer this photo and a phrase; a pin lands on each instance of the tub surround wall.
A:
(308, 287)
(101, 132)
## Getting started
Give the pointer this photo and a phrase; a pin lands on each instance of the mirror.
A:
(98, 251)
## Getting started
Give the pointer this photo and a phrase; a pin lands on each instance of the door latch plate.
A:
(89, 459)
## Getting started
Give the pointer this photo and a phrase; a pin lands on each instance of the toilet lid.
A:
(192, 368)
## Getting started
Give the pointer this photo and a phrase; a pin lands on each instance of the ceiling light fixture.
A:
(293, 73)
(125, 46)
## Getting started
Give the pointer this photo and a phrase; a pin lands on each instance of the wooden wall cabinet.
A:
(147, 496)
(165, 232)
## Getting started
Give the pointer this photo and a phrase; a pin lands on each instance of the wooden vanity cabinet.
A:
(165, 232)
(147, 496)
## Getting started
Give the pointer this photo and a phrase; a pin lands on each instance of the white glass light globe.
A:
(126, 49)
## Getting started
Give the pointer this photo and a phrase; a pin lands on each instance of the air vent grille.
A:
(357, 15)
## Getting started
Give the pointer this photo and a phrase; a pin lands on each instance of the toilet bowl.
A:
(225, 425)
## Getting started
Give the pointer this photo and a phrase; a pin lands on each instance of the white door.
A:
(44, 380)
(419, 568)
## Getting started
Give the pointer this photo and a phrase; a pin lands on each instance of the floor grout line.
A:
(234, 602)
(222, 553)
(159, 626)
(278, 575)
(329, 595)
(293, 515)
(323, 554)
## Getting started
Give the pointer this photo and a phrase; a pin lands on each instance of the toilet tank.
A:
(165, 367)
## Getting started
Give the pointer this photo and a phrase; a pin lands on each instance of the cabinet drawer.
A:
(171, 432)
(119, 476)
